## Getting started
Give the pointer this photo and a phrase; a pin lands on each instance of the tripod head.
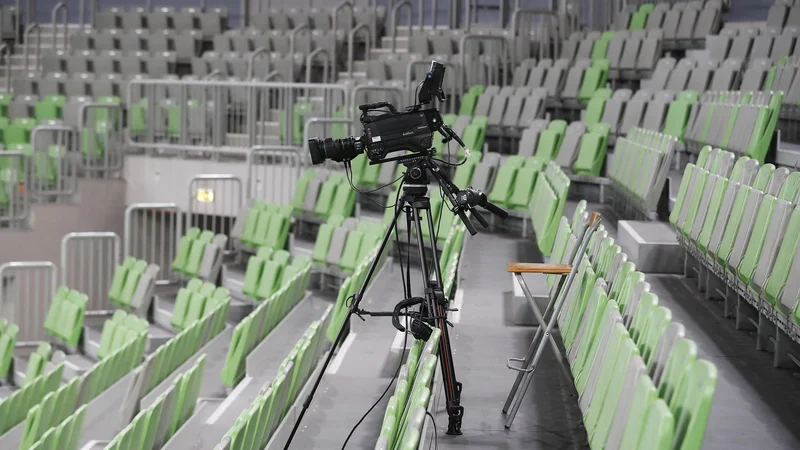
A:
(421, 166)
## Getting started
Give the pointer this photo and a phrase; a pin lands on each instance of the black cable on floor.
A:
(435, 431)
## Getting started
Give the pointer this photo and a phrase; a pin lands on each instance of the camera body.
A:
(389, 131)
(394, 132)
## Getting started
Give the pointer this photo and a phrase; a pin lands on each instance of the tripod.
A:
(434, 306)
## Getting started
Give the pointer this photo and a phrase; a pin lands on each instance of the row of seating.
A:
(664, 111)
(133, 284)
(65, 435)
(278, 42)
(37, 363)
(78, 86)
(185, 44)
(286, 292)
(562, 78)
(153, 426)
(615, 336)
(546, 206)
(268, 271)
(508, 109)
(72, 64)
(407, 408)
(210, 22)
(740, 223)
(746, 47)
(258, 422)
(701, 75)
(199, 254)
(55, 407)
(579, 148)
(684, 23)
(195, 301)
(177, 350)
(260, 224)
(634, 52)
(64, 320)
(783, 14)
(638, 171)
(327, 194)
(120, 330)
(14, 408)
(742, 122)
(342, 244)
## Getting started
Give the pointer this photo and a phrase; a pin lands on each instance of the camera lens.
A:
(338, 150)
(316, 147)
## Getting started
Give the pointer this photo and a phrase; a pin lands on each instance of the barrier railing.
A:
(152, 232)
(59, 7)
(15, 193)
(27, 41)
(272, 172)
(101, 138)
(545, 30)
(498, 62)
(214, 116)
(351, 43)
(54, 162)
(214, 202)
(88, 262)
(26, 290)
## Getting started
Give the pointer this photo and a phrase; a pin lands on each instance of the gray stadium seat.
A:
(671, 22)
(688, 21)
(755, 75)
(725, 75)
(782, 46)
(570, 144)
(656, 18)
(740, 47)
(650, 51)
(718, 47)
(585, 48)
(778, 12)
(707, 22)
(679, 76)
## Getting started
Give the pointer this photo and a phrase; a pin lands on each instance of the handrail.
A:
(351, 43)
(337, 9)
(251, 61)
(274, 74)
(325, 67)
(478, 37)
(394, 21)
(4, 48)
(515, 22)
(30, 12)
(420, 19)
(293, 43)
(31, 27)
(60, 6)
(214, 73)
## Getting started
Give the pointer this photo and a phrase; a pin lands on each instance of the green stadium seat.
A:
(327, 194)
(19, 131)
(503, 185)
(352, 246)
(183, 250)
(594, 111)
(592, 152)
(523, 188)
(322, 244)
(270, 280)
(8, 340)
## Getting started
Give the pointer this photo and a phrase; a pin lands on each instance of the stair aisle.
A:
(214, 418)
(358, 374)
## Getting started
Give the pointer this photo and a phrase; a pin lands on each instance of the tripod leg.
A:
(345, 325)
(437, 303)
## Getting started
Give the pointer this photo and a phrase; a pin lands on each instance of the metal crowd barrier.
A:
(54, 162)
(272, 172)
(101, 139)
(214, 202)
(152, 232)
(88, 262)
(15, 192)
(208, 115)
(26, 291)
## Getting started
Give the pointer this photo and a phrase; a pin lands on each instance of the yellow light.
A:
(205, 195)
